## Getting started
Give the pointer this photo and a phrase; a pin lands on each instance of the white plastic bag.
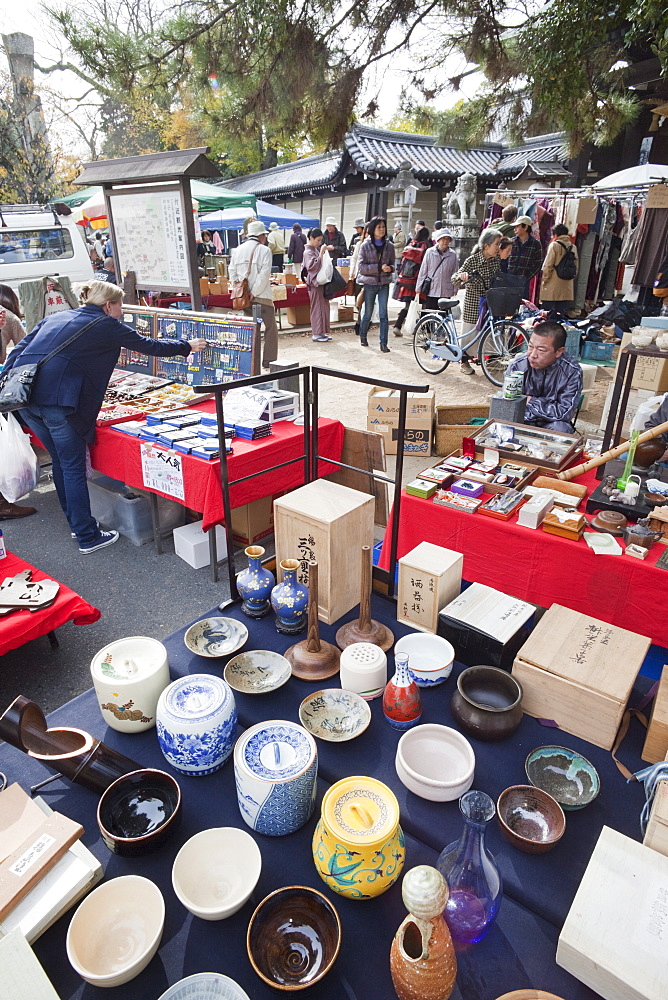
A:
(411, 317)
(326, 269)
(647, 409)
(19, 466)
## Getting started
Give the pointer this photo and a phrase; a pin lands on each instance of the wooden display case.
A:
(430, 576)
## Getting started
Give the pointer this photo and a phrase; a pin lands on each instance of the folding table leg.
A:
(213, 554)
(51, 636)
(155, 521)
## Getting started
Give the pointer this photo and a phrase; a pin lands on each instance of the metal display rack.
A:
(310, 385)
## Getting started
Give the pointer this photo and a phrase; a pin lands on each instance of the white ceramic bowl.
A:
(257, 671)
(215, 637)
(205, 986)
(334, 714)
(430, 657)
(116, 930)
(435, 762)
(642, 339)
(215, 872)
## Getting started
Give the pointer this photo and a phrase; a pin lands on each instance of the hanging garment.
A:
(585, 244)
(608, 220)
(652, 242)
(609, 276)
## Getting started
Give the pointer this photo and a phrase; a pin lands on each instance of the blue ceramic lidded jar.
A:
(289, 599)
(255, 583)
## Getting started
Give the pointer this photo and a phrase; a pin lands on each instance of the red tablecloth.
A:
(542, 568)
(297, 296)
(117, 455)
(20, 627)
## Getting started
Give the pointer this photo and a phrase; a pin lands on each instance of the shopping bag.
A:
(19, 466)
(326, 270)
(336, 286)
(411, 317)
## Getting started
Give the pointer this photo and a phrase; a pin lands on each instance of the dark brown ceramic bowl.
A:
(139, 811)
(487, 703)
(530, 818)
(655, 499)
(293, 937)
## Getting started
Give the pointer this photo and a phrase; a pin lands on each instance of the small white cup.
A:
(363, 669)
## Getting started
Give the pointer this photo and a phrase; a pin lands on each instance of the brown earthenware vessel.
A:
(612, 521)
(487, 703)
(530, 818)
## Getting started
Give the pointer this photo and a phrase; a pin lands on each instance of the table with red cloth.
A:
(118, 455)
(297, 295)
(19, 627)
(542, 568)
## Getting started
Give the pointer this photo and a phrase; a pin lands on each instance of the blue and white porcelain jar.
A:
(275, 769)
(197, 723)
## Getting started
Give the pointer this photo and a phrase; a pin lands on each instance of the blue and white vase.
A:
(275, 769)
(289, 599)
(197, 723)
(255, 583)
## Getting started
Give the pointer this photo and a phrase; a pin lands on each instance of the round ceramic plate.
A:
(257, 671)
(214, 637)
(205, 986)
(335, 714)
(564, 774)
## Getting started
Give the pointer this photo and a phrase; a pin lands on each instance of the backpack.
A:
(567, 267)
(411, 259)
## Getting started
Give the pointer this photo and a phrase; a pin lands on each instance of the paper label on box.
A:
(32, 855)
(162, 470)
(650, 930)
(491, 456)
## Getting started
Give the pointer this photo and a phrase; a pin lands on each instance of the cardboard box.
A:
(383, 418)
(429, 578)
(656, 741)
(656, 834)
(253, 521)
(192, 544)
(614, 937)
(636, 397)
(289, 279)
(299, 315)
(650, 373)
(329, 523)
(579, 672)
(485, 625)
(344, 271)
(346, 314)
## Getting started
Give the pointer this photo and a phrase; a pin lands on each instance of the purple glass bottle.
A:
(474, 880)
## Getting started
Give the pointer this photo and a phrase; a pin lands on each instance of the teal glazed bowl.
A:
(564, 774)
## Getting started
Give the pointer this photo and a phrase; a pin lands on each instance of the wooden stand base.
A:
(378, 634)
(313, 665)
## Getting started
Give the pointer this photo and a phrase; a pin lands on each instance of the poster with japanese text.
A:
(151, 238)
(162, 470)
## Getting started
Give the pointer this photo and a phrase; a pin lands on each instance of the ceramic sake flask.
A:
(289, 599)
(358, 845)
(402, 700)
(275, 769)
(197, 722)
(255, 583)
(129, 676)
(422, 958)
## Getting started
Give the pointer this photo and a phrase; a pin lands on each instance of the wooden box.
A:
(576, 491)
(658, 521)
(429, 578)
(579, 672)
(566, 522)
(656, 741)
(329, 523)
(299, 315)
(453, 424)
(614, 937)
(656, 834)
(485, 626)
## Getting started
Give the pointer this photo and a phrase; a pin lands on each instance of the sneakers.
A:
(320, 340)
(106, 538)
(466, 368)
(384, 348)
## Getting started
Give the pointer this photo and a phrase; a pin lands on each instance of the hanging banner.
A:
(162, 470)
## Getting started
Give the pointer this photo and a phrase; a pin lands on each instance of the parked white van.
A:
(38, 241)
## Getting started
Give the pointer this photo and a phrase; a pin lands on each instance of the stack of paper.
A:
(489, 611)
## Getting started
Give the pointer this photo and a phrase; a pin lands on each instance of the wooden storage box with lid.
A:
(566, 522)
(614, 937)
(329, 523)
(656, 741)
(429, 578)
(656, 834)
(579, 672)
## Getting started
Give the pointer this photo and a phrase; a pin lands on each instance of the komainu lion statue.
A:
(461, 203)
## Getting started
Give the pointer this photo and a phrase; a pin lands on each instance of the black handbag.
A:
(336, 285)
(16, 384)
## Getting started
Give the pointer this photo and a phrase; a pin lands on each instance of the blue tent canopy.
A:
(233, 218)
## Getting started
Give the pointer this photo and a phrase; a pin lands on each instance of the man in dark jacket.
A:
(552, 379)
(334, 239)
(357, 235)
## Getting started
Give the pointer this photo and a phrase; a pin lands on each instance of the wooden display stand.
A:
(430, 576)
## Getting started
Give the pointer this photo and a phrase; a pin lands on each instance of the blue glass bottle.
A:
(474, 880)
(254, 584)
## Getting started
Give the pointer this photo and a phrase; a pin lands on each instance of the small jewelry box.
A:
(467, 488)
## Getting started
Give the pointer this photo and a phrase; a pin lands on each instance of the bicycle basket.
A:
(504, 301)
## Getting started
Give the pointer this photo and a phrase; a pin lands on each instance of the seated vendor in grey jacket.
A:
(552, 379)
(660, 416)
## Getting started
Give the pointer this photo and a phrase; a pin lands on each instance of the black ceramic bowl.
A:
(487, 703)
(139, 811)
(293, 938)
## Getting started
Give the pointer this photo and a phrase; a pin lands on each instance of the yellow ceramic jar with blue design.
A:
(358, 845)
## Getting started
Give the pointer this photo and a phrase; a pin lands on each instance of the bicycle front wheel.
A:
(498, 348)
(429, 330)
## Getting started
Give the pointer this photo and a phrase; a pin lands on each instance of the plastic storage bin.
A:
(192, 544)
(593, 351)
(117, 506)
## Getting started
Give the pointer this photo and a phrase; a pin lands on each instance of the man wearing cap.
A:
(276, 245)
(357, 235)
(526, 256)
(252, 260)
(334, 240)
(398, 238)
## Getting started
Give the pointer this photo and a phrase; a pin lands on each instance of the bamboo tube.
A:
(579, 470)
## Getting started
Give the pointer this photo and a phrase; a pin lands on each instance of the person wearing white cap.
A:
(276, 245)
(252, 260)
(334, 240)
(526, 256)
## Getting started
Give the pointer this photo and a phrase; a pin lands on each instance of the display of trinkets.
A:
(517, 471)
(483, 467)
(503, 505)
(637, 551)
(503, 479)
(447, 499)
(421, 488)
(455, 463)
(467, 488)
(437, 475)
(552, 449)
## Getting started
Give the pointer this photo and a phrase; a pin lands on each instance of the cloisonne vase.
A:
(474, 880)
(402, 700)
(255, 583)
(289, 599)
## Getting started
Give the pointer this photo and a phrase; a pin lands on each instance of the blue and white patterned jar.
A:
(197, 723)
(275, 769)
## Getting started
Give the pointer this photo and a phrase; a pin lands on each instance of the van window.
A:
(17, 246)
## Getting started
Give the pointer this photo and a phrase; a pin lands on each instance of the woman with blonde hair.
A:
(78, 350)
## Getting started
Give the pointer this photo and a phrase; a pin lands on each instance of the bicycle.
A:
(436, 342)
